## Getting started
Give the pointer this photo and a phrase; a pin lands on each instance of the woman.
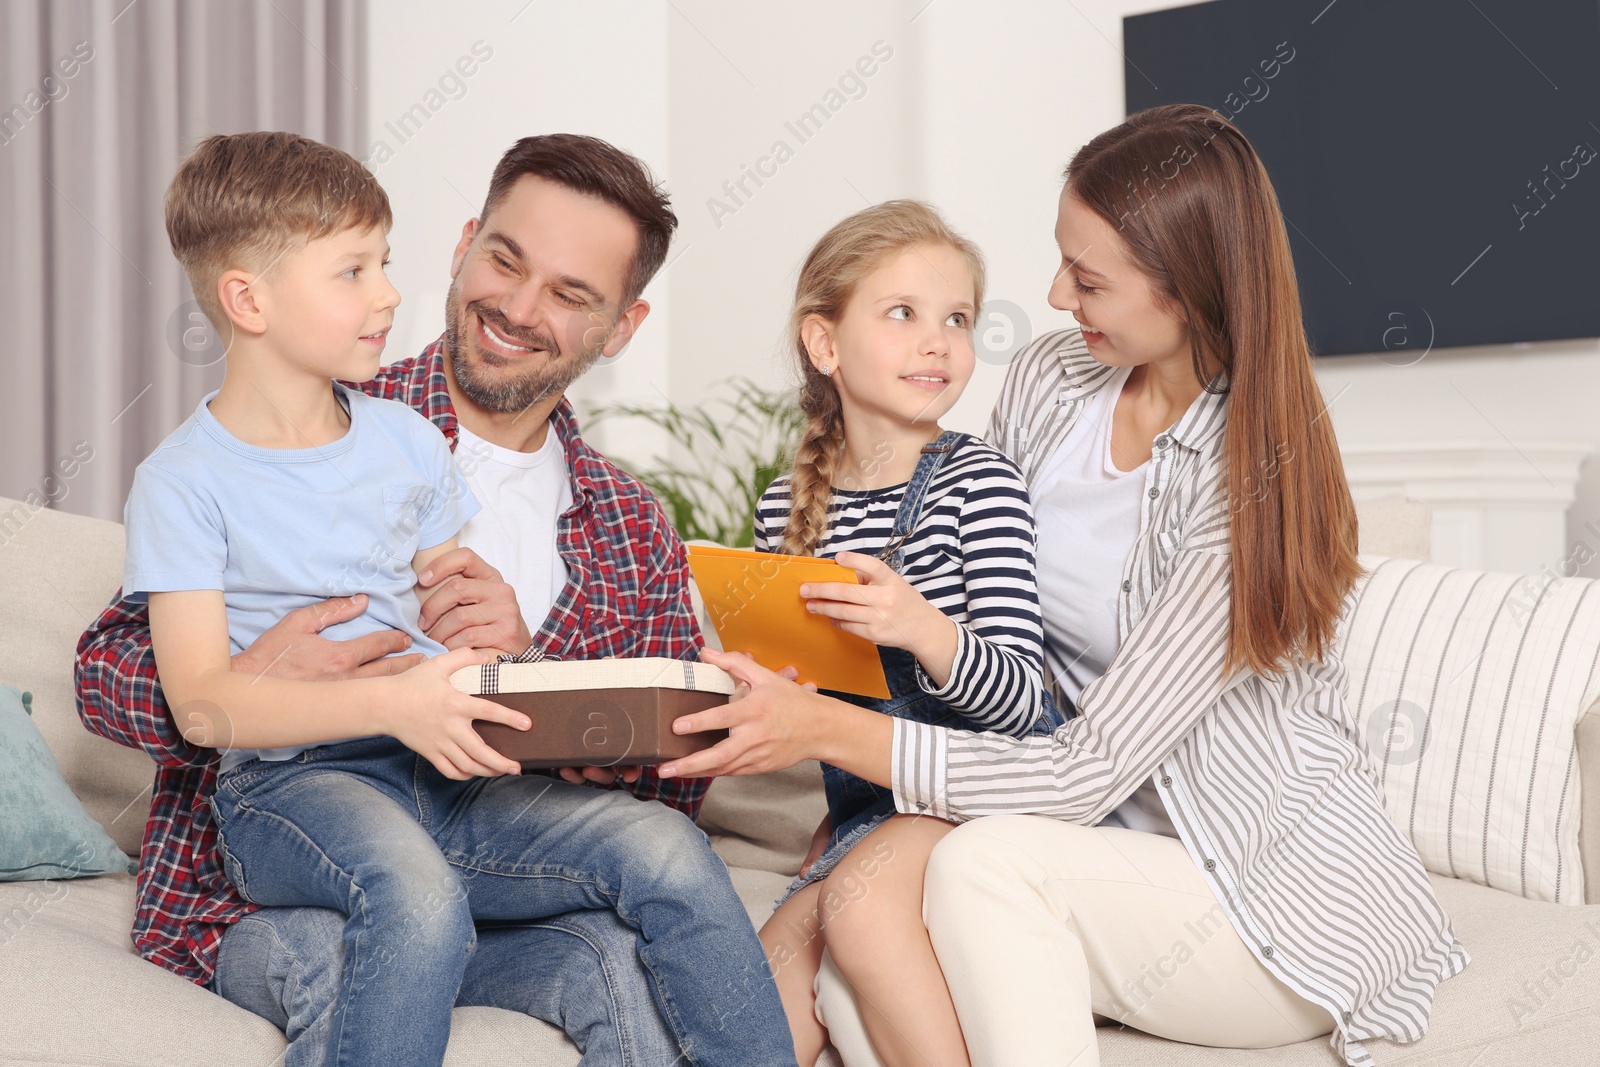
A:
(1215, 864)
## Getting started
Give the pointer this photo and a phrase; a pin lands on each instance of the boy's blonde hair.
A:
(846, 254)
(240, 201)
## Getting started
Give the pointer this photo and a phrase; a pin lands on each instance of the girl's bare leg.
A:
(871, 910)
(793, 940)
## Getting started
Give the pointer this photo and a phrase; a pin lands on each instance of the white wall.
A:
(977, 110)
(740, 78)
(1010, 91)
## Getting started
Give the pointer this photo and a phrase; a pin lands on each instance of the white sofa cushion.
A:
(75, 993)
(1528, 997)
(1395, 525)
(1470, 687)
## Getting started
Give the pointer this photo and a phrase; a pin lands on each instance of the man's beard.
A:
(548, 375)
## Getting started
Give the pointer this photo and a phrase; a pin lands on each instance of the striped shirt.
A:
(1265, 777)
(970, 556)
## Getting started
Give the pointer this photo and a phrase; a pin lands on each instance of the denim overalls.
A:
(855, 805)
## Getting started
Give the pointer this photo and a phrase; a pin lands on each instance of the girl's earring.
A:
(827, 371)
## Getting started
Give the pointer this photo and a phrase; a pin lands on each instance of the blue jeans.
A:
(419, 865)
(856, 806)
(579, 971)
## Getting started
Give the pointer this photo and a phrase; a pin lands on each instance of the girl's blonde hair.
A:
(846, 254)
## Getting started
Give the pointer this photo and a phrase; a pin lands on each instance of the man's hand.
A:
(291, 649)
(471, 606)
(598, 775)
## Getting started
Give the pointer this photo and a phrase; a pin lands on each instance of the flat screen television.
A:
(1438, 161)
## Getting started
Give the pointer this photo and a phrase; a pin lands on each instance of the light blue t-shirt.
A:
(278, 528)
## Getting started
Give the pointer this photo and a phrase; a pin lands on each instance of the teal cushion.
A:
(47, 834)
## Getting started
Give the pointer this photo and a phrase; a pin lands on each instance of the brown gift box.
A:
(608, 713)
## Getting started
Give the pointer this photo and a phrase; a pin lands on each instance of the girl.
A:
(938, 528)
(1255, 892)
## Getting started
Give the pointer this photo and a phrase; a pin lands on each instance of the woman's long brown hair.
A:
(1190, 197)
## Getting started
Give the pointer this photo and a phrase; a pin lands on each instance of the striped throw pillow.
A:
(1469, 687)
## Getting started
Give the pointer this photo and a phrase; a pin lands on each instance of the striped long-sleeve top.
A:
(1265, 777)
(970, 556)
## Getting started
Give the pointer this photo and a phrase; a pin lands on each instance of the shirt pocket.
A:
(404, 510)
(1168, 543)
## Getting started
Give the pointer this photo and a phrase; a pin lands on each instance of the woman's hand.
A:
(434, 719)
(886, 610)
(766, 720)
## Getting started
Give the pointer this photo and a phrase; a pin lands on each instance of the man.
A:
(544, 282)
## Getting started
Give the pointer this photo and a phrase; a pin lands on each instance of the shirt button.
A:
(1163, 441)
(1211, 865)
(1127, 585)
(1266, 950)
(1154, 492)
(1166, 779)
(1345, 1016)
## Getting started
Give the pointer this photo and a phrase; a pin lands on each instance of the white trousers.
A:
(1046, 928)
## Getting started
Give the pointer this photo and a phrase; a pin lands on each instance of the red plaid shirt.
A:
(628, 596)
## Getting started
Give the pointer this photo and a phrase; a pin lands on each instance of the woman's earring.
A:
(827, 371)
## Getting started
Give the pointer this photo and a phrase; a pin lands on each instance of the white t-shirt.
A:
(1088, 515)
(523, 494)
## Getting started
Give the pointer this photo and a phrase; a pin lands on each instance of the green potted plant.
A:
(732, 445)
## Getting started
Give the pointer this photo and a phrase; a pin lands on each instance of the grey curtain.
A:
(101, 349)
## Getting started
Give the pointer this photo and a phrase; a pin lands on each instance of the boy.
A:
(283, 489)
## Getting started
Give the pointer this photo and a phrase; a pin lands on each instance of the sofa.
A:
(73, 991)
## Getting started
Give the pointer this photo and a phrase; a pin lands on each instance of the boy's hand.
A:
(471, 605)
(434, 719)
(291, 649)
(884, 609)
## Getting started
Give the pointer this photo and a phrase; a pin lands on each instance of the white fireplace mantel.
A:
(1496, 505)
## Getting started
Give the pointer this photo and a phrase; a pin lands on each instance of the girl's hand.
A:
(765, 720)
(886, 610)
(819, 844)
(434, 719)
